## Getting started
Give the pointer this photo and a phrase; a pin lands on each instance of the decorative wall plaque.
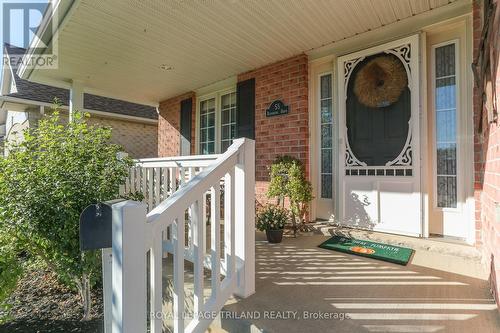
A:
(276, 108)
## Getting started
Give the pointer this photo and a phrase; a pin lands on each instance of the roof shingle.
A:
(47, 94)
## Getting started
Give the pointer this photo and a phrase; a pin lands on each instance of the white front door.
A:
(379, 151)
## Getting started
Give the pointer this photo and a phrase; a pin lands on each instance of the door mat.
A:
(395, 254)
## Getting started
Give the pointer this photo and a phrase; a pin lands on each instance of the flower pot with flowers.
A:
(272, 220)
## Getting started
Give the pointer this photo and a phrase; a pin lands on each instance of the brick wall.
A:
(487, 168)
(287, 134)
(169, 126)
(139, 140)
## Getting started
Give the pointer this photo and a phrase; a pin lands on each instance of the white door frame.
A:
(456, 223)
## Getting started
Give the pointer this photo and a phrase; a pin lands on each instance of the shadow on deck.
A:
(356, 294)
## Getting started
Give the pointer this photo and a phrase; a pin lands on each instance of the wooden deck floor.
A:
(298, 278)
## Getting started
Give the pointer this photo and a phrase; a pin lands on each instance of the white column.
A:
(129, 267)
(75, 98)
(244, 198)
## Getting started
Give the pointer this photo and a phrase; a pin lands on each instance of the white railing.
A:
(136, 233)
(159, 178)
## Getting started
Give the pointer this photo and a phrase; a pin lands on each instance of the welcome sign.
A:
(395, 254)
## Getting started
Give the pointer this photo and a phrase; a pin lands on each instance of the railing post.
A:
(129, 267)
(244, 199)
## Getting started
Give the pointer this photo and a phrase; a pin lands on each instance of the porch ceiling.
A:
(119, 46)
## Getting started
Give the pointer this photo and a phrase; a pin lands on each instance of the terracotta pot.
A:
(274, 236)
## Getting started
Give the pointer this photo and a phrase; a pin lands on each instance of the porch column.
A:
(75, 98)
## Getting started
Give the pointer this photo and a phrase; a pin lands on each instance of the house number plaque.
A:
(276, 108)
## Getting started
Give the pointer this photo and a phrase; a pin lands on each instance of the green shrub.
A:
(45, 183)
(135, 196)
(288, 181)
(278, 186)
(271, 217)
(10, 272)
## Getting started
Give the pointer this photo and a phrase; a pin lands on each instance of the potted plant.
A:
(272, 220)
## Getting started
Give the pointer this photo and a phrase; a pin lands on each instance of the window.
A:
(207, 126)
(228, 120)
(445, 106)
(217, 122)
(326, 124)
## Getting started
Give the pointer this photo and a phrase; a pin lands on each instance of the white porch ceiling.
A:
(118, 46)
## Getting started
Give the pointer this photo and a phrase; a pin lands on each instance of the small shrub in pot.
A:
(272, 220)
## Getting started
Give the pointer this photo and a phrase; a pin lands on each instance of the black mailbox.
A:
(96, 226)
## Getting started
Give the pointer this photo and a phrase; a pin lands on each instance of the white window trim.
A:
(318, 136)
(458, 110)
(218, 127)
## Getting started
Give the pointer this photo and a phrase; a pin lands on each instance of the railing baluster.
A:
(189, 226)
(204, 218)
(178, 306)
(229, 237)
(172, 175)
(150, 182)
(143, 180)
(132, 179)
(122, 190)
(164, 174)
(215, 238)
(182, 176)
(198, 255)
(157, 186)
(156, 285)
(126, 184)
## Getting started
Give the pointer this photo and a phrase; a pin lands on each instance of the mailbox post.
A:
(96, 234)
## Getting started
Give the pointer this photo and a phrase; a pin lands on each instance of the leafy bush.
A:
(45, 183)
(135, 196)
(288, 181)
(10, 272)
(271, 217)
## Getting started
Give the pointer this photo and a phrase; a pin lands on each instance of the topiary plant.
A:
(299, 191)
(45, 183)
(279, 178)
(287, 180)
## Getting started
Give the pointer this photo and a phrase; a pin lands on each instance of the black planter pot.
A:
(274, 236)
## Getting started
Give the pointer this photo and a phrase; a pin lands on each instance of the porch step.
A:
(449, 256)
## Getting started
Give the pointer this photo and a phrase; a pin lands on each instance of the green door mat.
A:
(395, 254)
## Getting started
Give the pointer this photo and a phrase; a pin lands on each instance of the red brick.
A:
(487, 168)
(286, 80)
(169, 126)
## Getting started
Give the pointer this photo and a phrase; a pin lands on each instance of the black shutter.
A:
(245, 109)
(186, 114)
